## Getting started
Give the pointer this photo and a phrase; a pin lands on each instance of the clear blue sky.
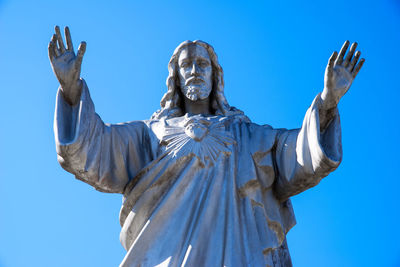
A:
(273, 53)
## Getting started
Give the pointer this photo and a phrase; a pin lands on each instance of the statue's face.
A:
(195, 72)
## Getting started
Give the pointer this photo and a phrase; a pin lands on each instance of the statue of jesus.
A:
(202, 185)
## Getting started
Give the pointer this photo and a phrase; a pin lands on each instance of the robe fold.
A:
(198, 190)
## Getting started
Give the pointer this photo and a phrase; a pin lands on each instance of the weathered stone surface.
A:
(202, 185)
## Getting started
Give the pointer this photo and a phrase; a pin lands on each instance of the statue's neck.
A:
(198, 106)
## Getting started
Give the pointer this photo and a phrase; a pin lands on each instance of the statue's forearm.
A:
(306, 155)
(327, 111)
(325, 117)
(72, 93)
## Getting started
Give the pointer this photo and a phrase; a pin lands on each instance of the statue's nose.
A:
(194, 69)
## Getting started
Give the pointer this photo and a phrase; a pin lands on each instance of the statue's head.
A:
(194, 73)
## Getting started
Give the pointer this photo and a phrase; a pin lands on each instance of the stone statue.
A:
(202, 185)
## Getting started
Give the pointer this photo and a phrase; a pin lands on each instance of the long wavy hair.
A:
(172, 101)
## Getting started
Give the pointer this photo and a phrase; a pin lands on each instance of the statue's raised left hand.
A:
(339, 74)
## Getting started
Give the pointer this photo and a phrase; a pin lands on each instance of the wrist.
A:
(327, 100)
(72, 93)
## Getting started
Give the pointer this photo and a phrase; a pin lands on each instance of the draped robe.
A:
(198, 190)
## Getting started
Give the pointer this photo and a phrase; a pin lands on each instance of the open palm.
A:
(66, 65)
(340, 73)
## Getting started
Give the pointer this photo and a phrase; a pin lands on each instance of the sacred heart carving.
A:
(196, 131)
(202, 137)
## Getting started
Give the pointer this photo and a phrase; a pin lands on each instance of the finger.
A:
(70, 46)
(354, 61)
(50, 48)
(342, 52)
(54, 44)
(59, 39)
(358, 67)
(350, 54)
(332, 59)
(79, 56)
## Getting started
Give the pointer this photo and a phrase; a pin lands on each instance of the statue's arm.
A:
(304, 156)
(102, 155)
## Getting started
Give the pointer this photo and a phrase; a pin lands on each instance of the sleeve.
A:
(102, 155)
(304, 156)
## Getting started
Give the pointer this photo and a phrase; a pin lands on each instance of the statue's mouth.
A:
(194, 80)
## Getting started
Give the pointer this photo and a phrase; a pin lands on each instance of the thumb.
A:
(79, 56)
(331, 61)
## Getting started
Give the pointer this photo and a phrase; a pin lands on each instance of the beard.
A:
(196, 92)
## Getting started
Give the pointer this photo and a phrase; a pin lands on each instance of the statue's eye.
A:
(203, 64)
(184, 65)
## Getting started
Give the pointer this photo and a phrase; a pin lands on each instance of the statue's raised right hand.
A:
(66, 65)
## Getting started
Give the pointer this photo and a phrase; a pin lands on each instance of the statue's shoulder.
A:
(130, 124)
(261, 126)
(129, 127)
(262, 130)
(246, 122)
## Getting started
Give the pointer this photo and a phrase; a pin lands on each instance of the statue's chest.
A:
(206, 138)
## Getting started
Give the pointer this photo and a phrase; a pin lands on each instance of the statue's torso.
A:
(207, 196)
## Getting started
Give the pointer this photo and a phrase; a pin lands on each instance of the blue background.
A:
(274, 55)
